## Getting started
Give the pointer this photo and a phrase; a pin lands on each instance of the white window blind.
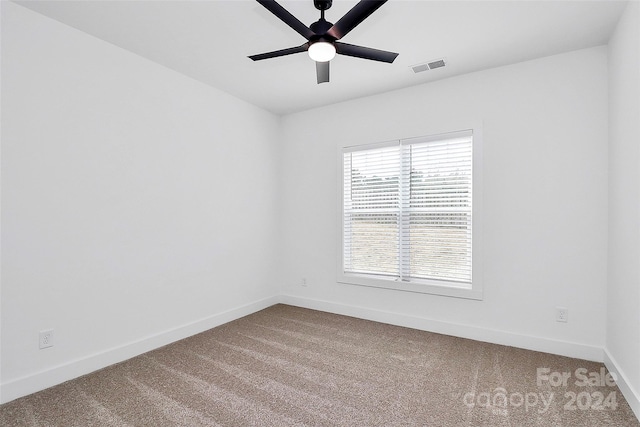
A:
(407, 210)
(372, 211)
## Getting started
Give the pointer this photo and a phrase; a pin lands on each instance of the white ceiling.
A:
(210, 41)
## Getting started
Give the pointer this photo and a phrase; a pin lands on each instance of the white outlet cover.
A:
(46, 338)
(562, 314)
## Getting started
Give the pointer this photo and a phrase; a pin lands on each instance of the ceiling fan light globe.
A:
(322, 51)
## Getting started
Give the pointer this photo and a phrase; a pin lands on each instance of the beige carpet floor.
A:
(288, 366)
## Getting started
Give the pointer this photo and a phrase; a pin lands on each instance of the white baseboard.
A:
(75, 368)
(562, 348)
(630, 394)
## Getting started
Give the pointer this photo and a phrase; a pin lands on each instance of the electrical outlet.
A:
(562, 314)
(46, 338)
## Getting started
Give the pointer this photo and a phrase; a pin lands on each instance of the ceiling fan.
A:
(322, 36)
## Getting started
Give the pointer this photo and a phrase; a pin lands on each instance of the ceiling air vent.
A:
(438, 63)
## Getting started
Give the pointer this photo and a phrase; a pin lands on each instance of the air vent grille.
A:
(437, 63)
(420, 68)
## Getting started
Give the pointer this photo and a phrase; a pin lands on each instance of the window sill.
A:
(431, 287)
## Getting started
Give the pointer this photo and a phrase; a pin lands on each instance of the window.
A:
(409, 214)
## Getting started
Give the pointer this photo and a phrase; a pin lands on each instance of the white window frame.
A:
(435, 287)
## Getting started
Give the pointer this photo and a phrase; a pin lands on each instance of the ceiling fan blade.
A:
(281, 52)
(365, 52)
(287, 18)
(356, 15)
(322, 70)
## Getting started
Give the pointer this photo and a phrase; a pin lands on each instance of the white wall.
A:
(138, 205)
(623, 292)
(545, 202)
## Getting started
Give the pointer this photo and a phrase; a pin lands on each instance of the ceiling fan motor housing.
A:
(320, 28)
